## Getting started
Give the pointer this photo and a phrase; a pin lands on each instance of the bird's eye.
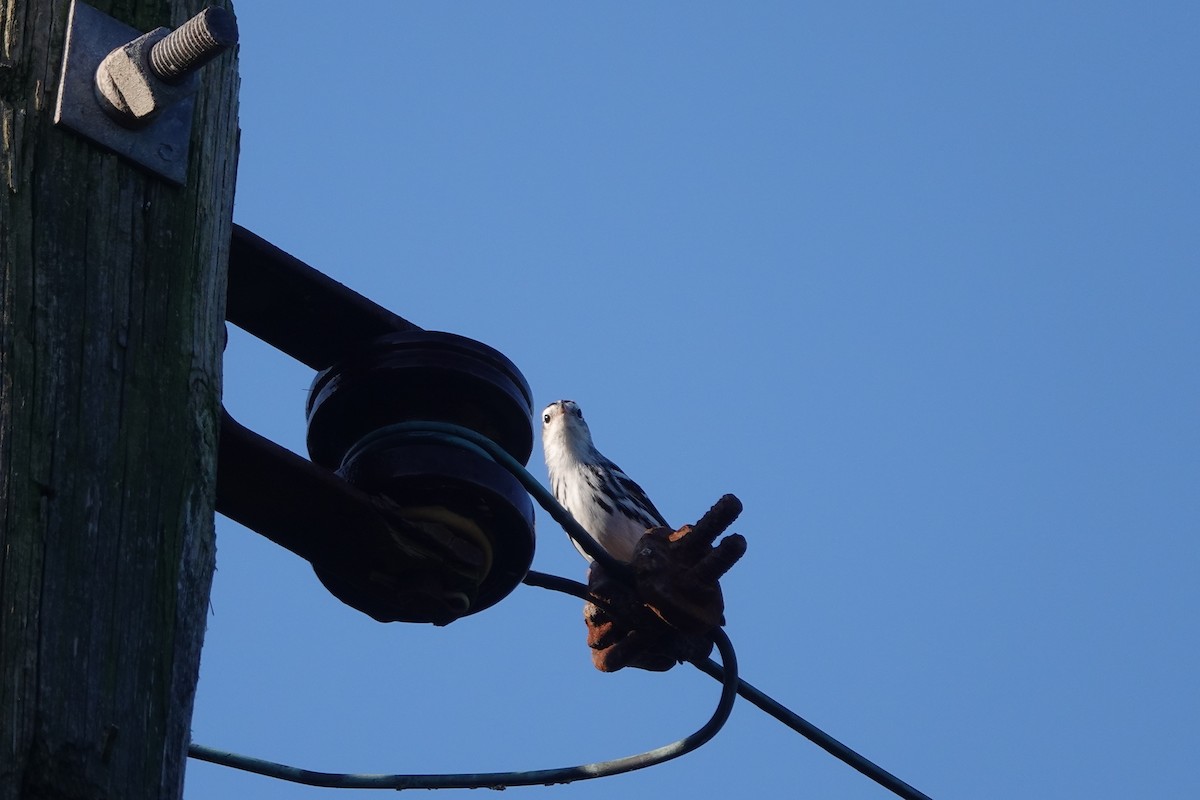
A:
(579, 413)
(546, 418)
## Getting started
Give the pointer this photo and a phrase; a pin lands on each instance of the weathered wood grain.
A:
(112, 292)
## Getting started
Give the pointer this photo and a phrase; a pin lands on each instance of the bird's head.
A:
(563, 426)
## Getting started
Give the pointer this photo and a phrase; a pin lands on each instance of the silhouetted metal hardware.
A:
(400, 526)
(133, 93)
(276, 297)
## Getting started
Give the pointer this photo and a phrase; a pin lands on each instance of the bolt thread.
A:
(193, 44)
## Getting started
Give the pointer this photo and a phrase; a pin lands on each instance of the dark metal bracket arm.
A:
(405, 532)
(276, 297)
(318, 516)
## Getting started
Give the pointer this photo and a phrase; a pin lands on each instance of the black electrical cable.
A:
(732, 685)
(816, 735)
(497, 780)
(764, 702)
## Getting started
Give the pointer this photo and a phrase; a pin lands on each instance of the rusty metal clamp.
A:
(666, 613)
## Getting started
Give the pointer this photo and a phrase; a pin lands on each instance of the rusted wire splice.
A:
(666, 615)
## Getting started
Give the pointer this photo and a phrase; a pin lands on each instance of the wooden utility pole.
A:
(112, 286)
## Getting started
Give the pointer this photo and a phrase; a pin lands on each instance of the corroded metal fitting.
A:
(666, 615)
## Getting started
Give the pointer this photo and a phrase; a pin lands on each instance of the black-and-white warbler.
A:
(599, 495)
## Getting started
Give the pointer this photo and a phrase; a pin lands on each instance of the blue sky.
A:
(920, 283)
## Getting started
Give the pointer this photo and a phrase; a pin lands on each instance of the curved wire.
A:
(732, 685)
(498, 780)
(764, 702)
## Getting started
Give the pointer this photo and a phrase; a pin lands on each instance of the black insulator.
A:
(455, 495)
(419, 375)
(431, 483)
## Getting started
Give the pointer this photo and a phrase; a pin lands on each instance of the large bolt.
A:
(193, 44)
(139, 79)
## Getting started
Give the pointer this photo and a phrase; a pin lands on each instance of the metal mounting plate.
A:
(162, 145)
